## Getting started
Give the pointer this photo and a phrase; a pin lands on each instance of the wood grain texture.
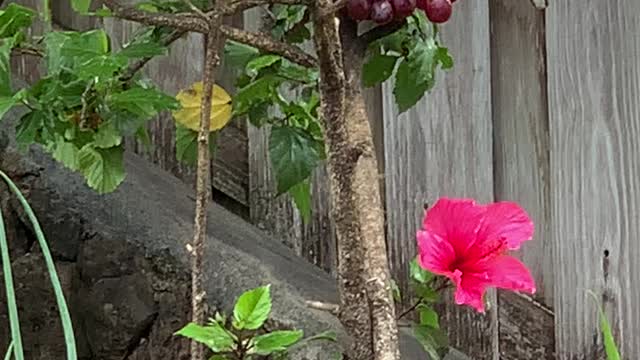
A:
(594, 116)
(526, 328)
(442, 147)
(172, 73)
(521, 127)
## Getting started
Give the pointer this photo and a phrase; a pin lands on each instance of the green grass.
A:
(16, 345)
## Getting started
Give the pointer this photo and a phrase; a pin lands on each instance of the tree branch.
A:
(187, 22)
(241, 5)
(266, 43)
(380, 32)
(139, 64)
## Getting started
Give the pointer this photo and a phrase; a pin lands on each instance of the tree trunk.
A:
(366, 303)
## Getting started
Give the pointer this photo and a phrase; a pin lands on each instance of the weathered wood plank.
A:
(594, 116)
(442, 147)
(521, 167)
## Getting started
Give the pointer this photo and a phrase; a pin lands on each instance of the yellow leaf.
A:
(189, 113)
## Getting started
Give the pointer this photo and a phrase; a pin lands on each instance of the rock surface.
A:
(124, 267)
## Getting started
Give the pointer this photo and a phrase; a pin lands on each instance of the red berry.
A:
(403, 8)
(438, 11)
(382, 12)
(359, 9)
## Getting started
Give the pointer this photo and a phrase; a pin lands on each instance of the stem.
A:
(212, 59)
(139, 64)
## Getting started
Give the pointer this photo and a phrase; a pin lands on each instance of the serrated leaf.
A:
(187, 145)
(295, 72)
(81, 6)
(5, 66)
(103, 169)
(252, 308)
(107, 136)
(66, 153)
(190, 112)
(255, 65)
(294, 155)
(14, 18)
(27, 128)
(275, 341)
(86, 44)
(301, 195)
(6, 103)
(141, 50)
(428, 316)
(143, 102)
(238, 55)
(104, 67)
(419, 274)
(214, 336)
(377, 69)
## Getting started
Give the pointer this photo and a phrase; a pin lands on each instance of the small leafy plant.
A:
(244, 335)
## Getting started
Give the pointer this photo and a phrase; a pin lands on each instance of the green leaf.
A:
(275, 341)
(610, 347)
(107, 136)
(27, 128)
(66, 153)
(419, 274)
(378, 69)
(5, 66)
(432, 340)
(81, 6)
(103, 67)
(102, 168)
(259, 114)
(395, 291)
(14, 18)
(301, 194)
(252, 308)
(294, 155)
(143, 102)
(238, 55)
(415, 75)
(254, 66)
(442, 56)
(426, 293)
(328, 335)
(255, 93)
(6, 103)
(85, 45)
(213, 336)
(295, 72)
(428, 316)
(140, 50)
(187, 145)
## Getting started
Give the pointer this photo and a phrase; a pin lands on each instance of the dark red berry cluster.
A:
(385, 11)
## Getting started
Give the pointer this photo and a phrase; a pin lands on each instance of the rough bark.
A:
(366, 303)
(203, 179)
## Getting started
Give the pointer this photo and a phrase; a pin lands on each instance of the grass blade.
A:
(610, 347)
(7, 356)
(67, 326)
(14, 321)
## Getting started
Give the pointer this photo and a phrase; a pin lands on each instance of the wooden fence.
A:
(542, 108)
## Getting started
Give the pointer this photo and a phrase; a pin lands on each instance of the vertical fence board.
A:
(442, 147)
(594, 113)
(521, 167)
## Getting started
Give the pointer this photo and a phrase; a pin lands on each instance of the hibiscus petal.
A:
(508, 221)
(455, 221)
(469, 290)
(434, 253)
(507, 272)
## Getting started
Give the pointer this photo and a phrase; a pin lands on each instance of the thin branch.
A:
(241, 5)
(323, 306)
(409, 310)
(266, 43)
(196, 9)
(139, 64)
(380, 32)
(187, 22)
(20, 51)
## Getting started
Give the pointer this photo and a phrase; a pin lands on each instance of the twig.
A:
(410, 309)
(266, 43)
(191, 22)
(241, 5)
(323, 306)
(196, 9)
(381, 31)
(27, 51)
(139, 64)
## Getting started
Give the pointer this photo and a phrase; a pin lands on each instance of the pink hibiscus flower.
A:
(468, 243)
